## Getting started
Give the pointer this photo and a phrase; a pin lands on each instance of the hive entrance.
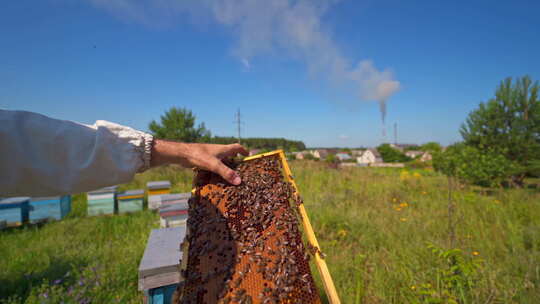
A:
(245, 245)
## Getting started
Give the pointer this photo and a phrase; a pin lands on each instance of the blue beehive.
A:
(14, 210)
(101, 201)
(49, 208)
(161, 295)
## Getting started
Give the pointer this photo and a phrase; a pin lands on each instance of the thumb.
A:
(228, 174)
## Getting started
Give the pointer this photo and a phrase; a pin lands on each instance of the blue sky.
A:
(127, 63)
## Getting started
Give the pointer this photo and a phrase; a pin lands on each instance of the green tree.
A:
(331, 158)
(391, 155)
(179, 124)
(431, 147)
(469, 164)
(508, 124)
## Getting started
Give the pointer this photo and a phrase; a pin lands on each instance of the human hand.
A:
(203, 156)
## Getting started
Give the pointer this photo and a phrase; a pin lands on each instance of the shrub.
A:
(391, 155)
(471, 165)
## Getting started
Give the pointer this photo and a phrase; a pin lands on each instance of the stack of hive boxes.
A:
(159, 270)
(130, 201)
(49, 208)
(155, 191)
(14, 211)
(173, 210)
(101, 201)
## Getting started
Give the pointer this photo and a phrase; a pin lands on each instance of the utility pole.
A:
(395, 133)
(238, 123)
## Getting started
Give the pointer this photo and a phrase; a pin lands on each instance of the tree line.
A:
(179, 124)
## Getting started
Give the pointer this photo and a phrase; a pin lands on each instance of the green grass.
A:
(375, 225)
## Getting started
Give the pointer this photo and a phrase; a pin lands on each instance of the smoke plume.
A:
(293, 28)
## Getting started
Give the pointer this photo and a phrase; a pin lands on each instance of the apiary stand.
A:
(159, 272)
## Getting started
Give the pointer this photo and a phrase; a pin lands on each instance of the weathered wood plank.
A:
(158, 185)
(158, 280)
(162, 253)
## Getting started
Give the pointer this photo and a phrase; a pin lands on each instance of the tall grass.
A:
(385, 233)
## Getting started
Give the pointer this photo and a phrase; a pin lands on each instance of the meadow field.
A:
(390, 236)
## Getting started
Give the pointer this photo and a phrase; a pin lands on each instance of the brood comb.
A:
(244, 244)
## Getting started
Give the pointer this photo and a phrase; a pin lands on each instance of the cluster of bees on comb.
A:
(245, 245)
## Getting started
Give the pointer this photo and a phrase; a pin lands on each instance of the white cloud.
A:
(291, 28)
(246, 64)
(344, 137)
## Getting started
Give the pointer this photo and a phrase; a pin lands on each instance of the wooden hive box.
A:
(159, 270)
(101, 201)
(155, 201)
(158, 187)
(130, 201)
(175, 198)
(160, 295)
(49, 208)
(173, 215)
(14, 211)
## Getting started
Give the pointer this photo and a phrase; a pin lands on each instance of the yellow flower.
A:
(403, 219)
(397, 209)
(417, 175)
(404, 175)
(413, 287)
(424, 192)
(394, 200)
(342, 233)
(403, 205)
(475, 253)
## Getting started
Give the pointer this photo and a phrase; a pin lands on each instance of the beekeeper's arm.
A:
(41, 156)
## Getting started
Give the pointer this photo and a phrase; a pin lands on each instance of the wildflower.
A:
(417, 175)
(403, 205)
(342, 233)
(413, 287)
(56, 282)
(403, 219)
(398, 209)
(475, 253)
(404, 175)
(394, 200)
(424, 192)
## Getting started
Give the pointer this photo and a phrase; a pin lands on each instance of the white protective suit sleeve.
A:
(41, 156)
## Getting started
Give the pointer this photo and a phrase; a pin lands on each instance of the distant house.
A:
(299, 155)
(369, 156)
(357, 152)
(319, 153)
(254, 151)
(343, 156)
(426, 157)
(414, 154)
